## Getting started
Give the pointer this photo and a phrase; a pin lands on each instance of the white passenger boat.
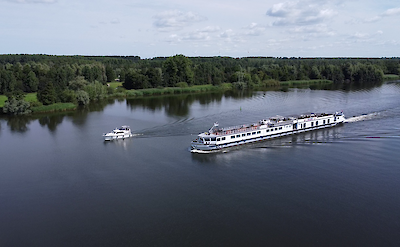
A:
(218, 138)
(118, 133)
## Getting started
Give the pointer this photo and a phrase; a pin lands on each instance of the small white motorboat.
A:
(118, 133)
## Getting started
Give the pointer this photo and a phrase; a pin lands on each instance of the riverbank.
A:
(120, 92)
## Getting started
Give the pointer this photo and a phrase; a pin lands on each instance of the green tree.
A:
(110, 74)
(96, 91)
(135, 80)
(7, 81)
(176, 69)
(47, 95)
(154, 77)
(31, 82)
(82, 97)
(78, 83)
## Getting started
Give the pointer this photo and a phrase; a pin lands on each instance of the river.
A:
(62, 185)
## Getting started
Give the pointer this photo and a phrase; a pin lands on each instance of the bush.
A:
(68, 96)
(239, 85)
(182, 84)
(15, 106)
(82, 97)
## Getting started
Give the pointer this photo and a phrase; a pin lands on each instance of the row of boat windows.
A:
(316, 123)
(243, 135)
(268, 130)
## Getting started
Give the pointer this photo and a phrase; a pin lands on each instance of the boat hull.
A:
(116, 137)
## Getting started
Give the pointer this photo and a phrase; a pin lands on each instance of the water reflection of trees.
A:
(179, 105)
(18, 123)
(51, 121)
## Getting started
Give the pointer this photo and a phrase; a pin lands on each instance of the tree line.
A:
(80, 79)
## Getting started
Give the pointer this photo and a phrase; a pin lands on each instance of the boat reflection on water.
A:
(121, 143)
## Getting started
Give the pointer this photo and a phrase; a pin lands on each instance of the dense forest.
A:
(79, 79)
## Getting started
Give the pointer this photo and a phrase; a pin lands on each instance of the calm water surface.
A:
(62, 185)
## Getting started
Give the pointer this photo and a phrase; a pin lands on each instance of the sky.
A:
(160, 28)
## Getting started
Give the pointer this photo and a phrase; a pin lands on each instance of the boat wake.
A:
(363, 117)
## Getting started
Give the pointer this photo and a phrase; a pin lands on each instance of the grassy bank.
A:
(54, 107)
(391, 77)
(176, 90)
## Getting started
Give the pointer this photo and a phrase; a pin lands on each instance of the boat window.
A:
(312, 124)
(276, 128)
(243, 134)
(223, 138)
(280, 128)
(213, 139)
(328, 120)
(218, 139)
(238, 136)
(248, 134)
(324, 122)
(232, 137)
(258, 132)
(267, 130)
(253, 133)
(316, 123)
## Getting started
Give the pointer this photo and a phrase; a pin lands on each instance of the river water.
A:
(62, 185)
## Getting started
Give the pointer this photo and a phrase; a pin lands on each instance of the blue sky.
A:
(152, 28)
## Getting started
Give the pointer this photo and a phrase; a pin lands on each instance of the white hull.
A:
(118, 133)
(116, 137)
(217, 139)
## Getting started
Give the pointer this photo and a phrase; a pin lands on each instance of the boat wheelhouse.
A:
(218, 138)
(118, 133)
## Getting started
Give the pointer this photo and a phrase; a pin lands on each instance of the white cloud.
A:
(203, 34)
(254, 29)
(320, 30)
(199, 36)
(387, 13)
(390, 12)
(227, 34)
(300, 13)
(210, 29)
(176, 20)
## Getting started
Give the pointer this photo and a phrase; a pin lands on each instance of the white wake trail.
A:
(362, 117)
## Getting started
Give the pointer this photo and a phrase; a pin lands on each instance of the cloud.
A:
(254, 29)
(227, 34)
(314, 30)
(203, 34)
(300, 13)
(390, 12)
(176, 20)
(387, 13)
(33, 1)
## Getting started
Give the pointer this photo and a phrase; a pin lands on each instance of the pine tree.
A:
(47, 96)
